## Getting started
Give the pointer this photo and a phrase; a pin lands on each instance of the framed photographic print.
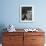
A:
(26, 13)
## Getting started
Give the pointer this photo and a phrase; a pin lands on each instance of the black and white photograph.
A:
(26, 13)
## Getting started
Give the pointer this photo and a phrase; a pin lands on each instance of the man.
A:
(27, 15)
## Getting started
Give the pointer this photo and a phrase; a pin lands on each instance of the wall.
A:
(10, 13)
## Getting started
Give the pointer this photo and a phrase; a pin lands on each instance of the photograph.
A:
(26, 13)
